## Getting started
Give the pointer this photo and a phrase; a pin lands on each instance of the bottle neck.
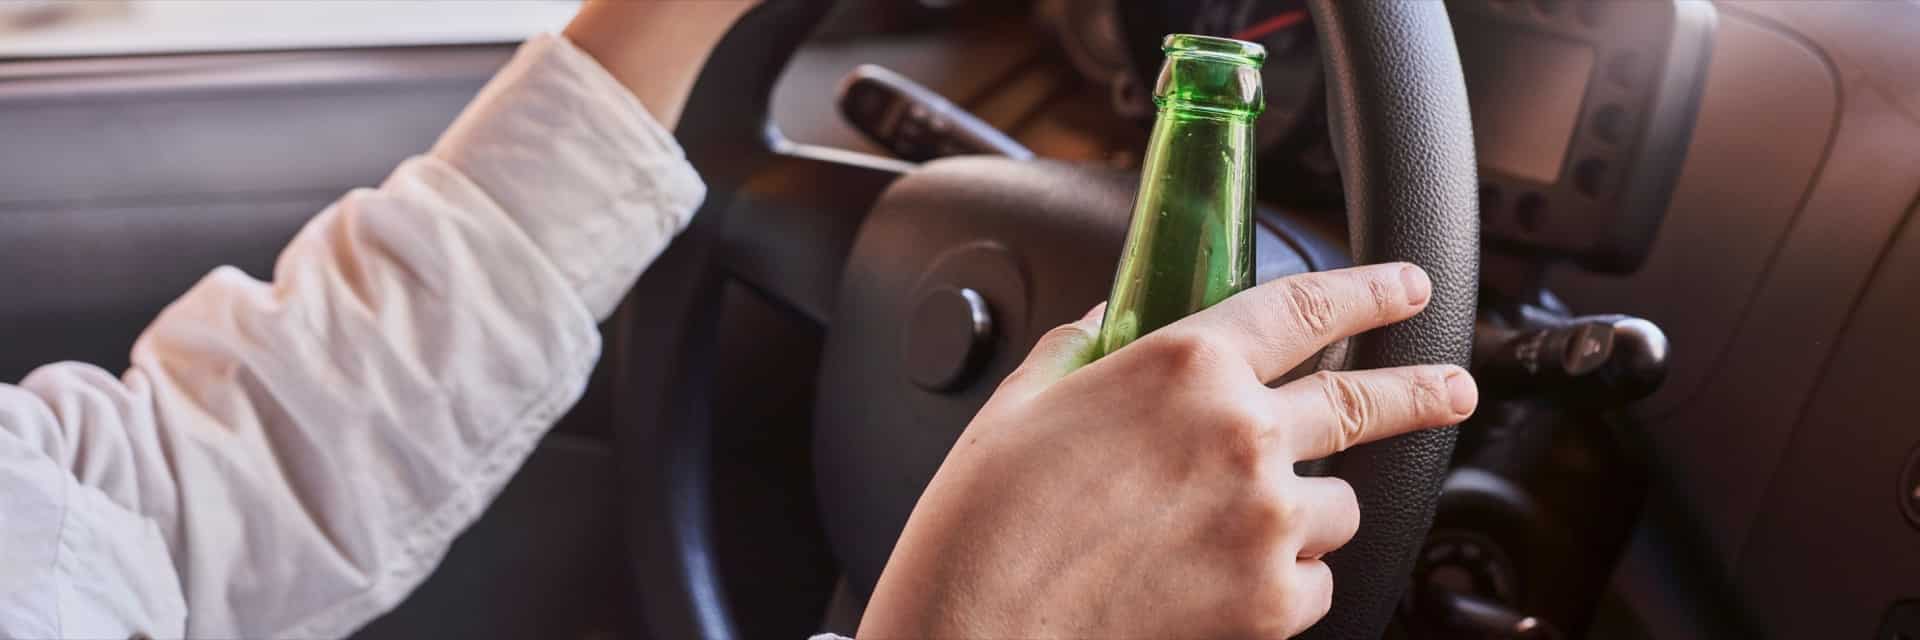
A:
(1190, 244)
(1189, 139)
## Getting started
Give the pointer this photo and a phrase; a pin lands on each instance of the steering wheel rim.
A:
(1398, 111)
(1397, 105)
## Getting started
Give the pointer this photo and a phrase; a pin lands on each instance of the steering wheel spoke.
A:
(787, 238)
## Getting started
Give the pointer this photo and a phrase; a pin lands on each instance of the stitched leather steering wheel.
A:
(870, 250)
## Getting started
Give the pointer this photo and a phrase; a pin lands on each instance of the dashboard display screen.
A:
(1526, 90)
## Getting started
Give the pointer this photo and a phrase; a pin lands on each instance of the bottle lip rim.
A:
(1191, 45)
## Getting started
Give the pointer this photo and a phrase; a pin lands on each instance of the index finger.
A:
(1331, 411)
(1277, 325)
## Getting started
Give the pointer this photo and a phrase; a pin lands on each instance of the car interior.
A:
(1680, 230)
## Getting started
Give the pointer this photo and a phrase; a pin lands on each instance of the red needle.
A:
(1266, 27)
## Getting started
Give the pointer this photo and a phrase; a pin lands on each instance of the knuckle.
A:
(1272, 513)
(1310, 305)
(1290, 606)
(1353, 407)
(1264, 517)
(1291, 512)
(1242, 440)
(1429, 390)
(1384, 292)
(1185, 355)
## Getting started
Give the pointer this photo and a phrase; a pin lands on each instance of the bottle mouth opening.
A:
(1187, 45)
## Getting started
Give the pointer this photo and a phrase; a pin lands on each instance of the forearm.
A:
(305, 449)
(655, 47)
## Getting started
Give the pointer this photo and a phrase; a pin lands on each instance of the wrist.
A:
(654, 48)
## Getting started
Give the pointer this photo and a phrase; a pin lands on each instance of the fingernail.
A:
(1418, 286)
(1462, 392)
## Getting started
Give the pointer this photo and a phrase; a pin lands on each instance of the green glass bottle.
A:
(1190, 244)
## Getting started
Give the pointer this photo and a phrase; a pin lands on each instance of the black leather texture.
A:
(1397, 103)
(665, 340)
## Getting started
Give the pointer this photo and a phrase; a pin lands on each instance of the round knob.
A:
(1465, 562)
(947, 337)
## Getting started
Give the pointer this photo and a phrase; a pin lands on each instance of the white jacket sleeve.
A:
(289, 459)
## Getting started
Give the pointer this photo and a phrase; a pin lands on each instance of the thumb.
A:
(1058, 353)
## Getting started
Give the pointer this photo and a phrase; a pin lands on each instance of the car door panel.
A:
(125, 180)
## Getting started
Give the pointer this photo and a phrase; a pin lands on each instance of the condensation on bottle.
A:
(1190, 243)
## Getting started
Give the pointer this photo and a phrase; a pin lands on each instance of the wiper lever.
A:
(914, 122)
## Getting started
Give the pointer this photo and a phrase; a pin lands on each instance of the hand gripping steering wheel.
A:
(932, 282)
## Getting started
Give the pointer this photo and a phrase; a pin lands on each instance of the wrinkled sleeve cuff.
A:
(579, 165)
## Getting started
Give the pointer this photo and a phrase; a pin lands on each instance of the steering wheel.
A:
(932, 282)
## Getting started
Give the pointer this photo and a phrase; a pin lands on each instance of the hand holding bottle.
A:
(1151, 493)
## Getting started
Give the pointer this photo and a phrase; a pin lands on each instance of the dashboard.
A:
(1739, 173)
(1582, 110)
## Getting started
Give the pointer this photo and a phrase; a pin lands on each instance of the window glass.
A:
(61, 28)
